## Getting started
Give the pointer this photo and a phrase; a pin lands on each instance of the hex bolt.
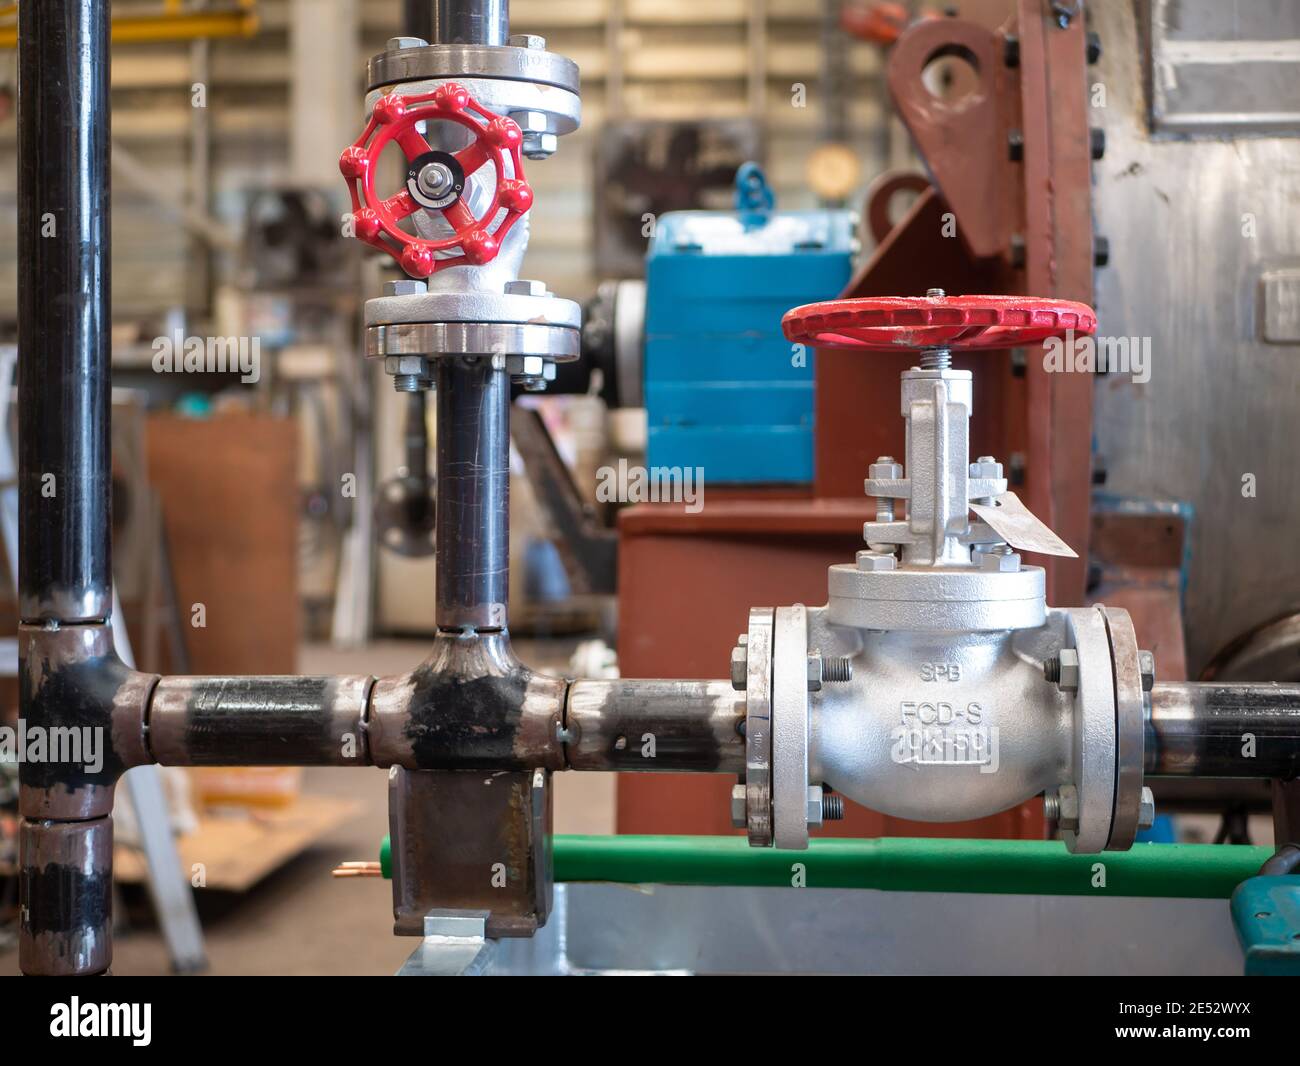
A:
(1067, 808)
(405, 287)
(1146, 809)
(1147, 668)
(1063, 670)
(738, 817)
(876, 560)
(525, 287)
(739, 667)
(527, 40)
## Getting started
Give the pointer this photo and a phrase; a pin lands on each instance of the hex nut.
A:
(397, 43)
(1069, 681)
(884, 467)
(1006, 563)
(406, 287)
(1147, 667)
(739, 667)
(1146, 809)
(526, 40)
(985, 467)
(1067, 798)
(526, 287)
(873, 560)
(738, 816)
(540, 145)
(815, 805)
(815, 672)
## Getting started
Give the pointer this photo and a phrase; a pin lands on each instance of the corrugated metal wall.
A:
(639, 58)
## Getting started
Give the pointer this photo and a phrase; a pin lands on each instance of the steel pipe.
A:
(63, 312)
(1212, 730)
(470, 22)
(651, 725)
(473, 495)
(65, 878)
(260, 721)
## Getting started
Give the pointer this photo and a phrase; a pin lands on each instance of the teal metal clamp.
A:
(1266, 913)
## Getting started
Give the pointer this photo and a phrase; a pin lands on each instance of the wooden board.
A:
(239, 849)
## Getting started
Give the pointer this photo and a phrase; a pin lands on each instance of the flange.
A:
(758, 726)
(790, 727)
(1093, 760)
(1130, 727)
(461, 61)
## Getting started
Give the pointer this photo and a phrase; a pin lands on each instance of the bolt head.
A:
(526, 287)
(1069, 670)
(1146, 809)
(739, 667)
(404, 365)
(1147, 667)
(527, 40)
(871, 560)
(406, 287)
(530, 121)
(738, 818)
(397, 43)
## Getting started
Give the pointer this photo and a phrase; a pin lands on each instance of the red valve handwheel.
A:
(888, 323)
(496, 138)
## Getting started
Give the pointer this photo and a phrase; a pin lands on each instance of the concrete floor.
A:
(300, 920)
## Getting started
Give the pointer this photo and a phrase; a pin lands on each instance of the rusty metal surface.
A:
(260, 721)
(86, 703)
(469, 840)
(959, 135)
(470, 705)
(66, 874)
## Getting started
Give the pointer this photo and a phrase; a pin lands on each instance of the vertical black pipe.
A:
(470, 21)
(63, 311)
(64, 568)
(473, 520)
(417, 19)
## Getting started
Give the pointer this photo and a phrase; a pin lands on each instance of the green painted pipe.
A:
(902, 864)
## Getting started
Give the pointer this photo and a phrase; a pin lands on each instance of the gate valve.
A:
(436, 180)
(935, 324)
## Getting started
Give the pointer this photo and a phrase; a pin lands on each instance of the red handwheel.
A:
(956, 323)
(436, 180)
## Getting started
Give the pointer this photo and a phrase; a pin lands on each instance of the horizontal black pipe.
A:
(1213, 730)
(653, 725)
(259, 721)
(63, 311)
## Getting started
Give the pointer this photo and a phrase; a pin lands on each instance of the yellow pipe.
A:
(131, 29)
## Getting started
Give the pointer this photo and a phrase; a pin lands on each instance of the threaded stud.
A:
(832, 807)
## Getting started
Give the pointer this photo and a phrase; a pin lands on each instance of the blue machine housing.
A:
(724, 390)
